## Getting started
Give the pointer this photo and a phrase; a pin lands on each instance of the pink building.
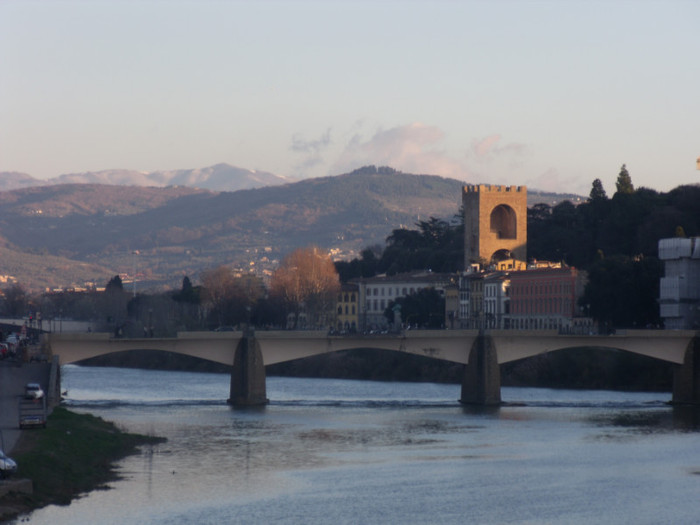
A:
(545, 299)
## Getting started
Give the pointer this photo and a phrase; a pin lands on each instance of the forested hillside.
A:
(180, 231)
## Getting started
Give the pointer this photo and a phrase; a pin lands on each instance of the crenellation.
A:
(492, 188)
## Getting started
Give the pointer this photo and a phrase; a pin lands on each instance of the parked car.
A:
(7, 465)
(33, 391)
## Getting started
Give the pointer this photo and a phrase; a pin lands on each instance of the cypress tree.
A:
(624, 181)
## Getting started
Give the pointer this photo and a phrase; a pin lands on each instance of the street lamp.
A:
(134, 253)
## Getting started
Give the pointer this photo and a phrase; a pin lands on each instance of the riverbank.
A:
(73, 455)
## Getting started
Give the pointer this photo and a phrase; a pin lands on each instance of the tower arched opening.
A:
(501, 255)
(504, 222)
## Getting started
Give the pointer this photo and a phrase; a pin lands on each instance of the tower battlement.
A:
(485, 188)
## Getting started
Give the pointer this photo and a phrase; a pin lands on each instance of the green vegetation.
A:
(74, 454)
(436, 245)
(424, 308)
(624, 181)
(616, 242)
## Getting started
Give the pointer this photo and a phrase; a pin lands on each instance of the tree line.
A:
(301, 293)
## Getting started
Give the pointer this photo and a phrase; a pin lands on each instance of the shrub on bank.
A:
(74, 454)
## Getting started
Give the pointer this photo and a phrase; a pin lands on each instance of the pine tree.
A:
(597, 191)
(624, 181)
(115, 283)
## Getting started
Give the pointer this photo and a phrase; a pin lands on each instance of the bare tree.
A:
(230, 296)
(16, 300)
(308, 283)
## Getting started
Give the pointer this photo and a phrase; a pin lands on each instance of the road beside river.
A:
(13, 377)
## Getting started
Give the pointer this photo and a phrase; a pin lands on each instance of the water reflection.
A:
(355, 452)
(476, 410)
(655, 421)
(686, 418)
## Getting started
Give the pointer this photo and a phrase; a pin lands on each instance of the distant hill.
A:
(180, 231)
(221, 177)
(12, 180)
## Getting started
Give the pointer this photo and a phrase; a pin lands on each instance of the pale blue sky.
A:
(551, 94)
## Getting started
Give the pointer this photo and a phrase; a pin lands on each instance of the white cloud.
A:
(551, 180)
(419, 149)
(312, 151)
(301, 145)
(412, 148)
(489, 149)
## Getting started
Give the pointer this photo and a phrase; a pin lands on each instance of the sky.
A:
(548, 94)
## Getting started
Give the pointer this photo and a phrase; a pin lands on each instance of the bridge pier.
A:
(248, 375)
(481, 384)
(686, 377)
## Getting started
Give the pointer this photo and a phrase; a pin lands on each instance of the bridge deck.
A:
(449, 345)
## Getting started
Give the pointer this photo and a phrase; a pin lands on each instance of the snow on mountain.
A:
(220, 177)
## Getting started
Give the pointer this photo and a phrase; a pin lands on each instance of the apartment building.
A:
(376, 293)
(546, 299)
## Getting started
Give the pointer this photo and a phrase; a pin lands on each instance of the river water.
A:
(338, 451)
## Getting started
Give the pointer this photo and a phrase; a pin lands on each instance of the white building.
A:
(376, 293)
(496, 304)
(679, 289)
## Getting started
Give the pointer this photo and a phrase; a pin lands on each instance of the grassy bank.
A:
(74, 454)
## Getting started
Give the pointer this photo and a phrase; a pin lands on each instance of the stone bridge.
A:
(250, 351)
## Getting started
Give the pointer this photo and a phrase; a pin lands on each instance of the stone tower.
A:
(495, 223)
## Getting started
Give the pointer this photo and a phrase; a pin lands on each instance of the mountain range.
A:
(67, 234)
(220, 177)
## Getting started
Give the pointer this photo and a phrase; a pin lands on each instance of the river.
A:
(339, 451)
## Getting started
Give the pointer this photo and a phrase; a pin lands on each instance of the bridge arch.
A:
(218, 347)
(157, 359)
(590, 367)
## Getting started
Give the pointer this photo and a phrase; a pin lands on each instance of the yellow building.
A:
(347, 310)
